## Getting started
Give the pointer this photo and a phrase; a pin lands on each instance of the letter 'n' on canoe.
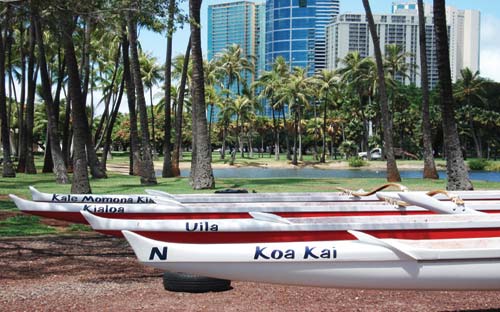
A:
(145, 249)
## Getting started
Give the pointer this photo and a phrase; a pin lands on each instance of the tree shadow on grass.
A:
(277, 181)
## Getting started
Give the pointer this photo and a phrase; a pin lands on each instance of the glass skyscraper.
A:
(240, 23)
(295, 30)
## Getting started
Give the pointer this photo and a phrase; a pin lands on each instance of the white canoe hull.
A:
(271, 228)
(173, 210)
(238, 198)
(343, 264)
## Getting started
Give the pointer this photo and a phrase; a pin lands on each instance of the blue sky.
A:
(490, 20)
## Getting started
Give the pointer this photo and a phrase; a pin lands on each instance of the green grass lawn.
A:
(125, 184)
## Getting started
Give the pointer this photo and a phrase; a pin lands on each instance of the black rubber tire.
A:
(191, 283)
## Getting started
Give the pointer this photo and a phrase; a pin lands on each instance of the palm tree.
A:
(30, 103)
(296, 94)
(168, 170)
(212, 79)
(392, 169)
(147, 171)
(430, 171)
(395, 62)
(183, 71)
(241, 107)
(8, 168)
(81, 130)
(135, 153)
(469, 87)
(397, 69)
(201, 176)
(59, 167)
(328, 83)
(151, 75)
(234, 65)
(224, 119)
(269, 83)
(358, 75)
(458, 178)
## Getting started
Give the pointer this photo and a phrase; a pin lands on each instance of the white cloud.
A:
(490, 47)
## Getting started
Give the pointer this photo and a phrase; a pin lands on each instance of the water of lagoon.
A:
(252, 173)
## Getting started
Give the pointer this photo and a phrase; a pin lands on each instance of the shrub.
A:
(493, 166)
(477, 164)
(348, 148)
(357, 162)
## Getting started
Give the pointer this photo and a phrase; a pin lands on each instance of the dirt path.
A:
(92, 272)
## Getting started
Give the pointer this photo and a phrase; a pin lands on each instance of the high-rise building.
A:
(295, 30)
(242, 23)
(464, 33)
(349, 32)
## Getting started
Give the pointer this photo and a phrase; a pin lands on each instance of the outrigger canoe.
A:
(344, 195)
(265, 227)
(407, 203)
(368, 262)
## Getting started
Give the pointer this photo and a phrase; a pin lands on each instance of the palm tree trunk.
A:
(147, 173)
(224, 135)
(153, 143)
(23, 148)
(458, 178)
(288, 154)
(299, 128)
(430, 171)
(8, 168)
(201, 168)
(475, 138)
(316, 132)
(98, 136)
(66, 140)
(392, 169)
(167, 144)
(276, 136)
(80, 102)
(81, 128)
(178, 117)
(59, 168)
(295, 135)
(210, 122)
(81, 183)
(366, 134)
(250, 144)
(240, 140)
(67, 135)
(109, 128)
(86, 58)
(135, 157)
(30, 104)
(323, 155)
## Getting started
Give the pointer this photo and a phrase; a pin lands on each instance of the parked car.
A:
(375, 154)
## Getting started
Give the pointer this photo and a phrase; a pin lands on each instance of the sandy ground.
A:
(373, 165)
(92, 272)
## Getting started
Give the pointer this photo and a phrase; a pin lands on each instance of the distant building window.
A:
(303, 3)
(412, 7)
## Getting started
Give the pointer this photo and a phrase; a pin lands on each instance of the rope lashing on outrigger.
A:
(395, 201)
(454, 198)
(358, 193)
